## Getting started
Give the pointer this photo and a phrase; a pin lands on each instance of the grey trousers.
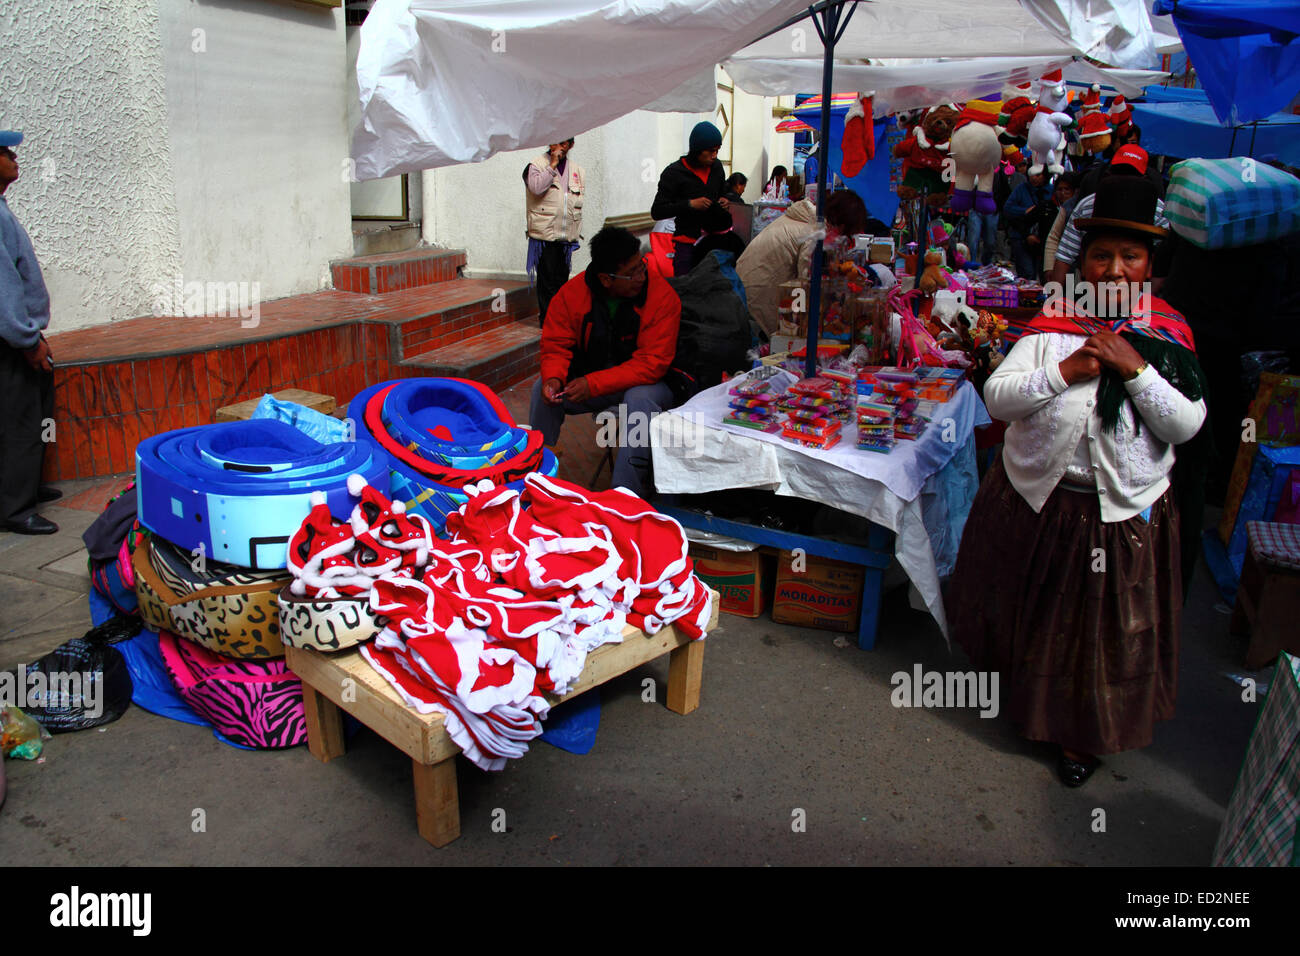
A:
(634, 408)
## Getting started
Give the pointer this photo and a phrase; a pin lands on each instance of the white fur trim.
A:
(355, 484)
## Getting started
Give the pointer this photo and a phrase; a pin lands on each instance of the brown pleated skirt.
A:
(1079, 618)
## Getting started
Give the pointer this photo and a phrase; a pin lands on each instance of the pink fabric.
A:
(254, 703)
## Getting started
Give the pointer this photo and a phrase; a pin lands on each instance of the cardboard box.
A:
(825, 593)
(739, 577)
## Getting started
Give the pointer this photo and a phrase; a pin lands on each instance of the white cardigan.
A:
(1051, 422)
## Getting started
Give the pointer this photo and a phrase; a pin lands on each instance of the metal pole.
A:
(830, 30)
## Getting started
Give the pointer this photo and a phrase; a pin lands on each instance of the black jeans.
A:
(28, 403)
(552, 272)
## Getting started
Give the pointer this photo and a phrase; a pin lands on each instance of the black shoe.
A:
(1073, 773)
(32, 524)
(48, 493)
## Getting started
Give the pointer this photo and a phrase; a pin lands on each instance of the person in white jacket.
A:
(782, 252)
(1068, 581)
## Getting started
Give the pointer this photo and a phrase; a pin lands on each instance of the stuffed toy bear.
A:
(976, 152)
(923, 153)
(1094, 132)
(933, 278)
(1046, 139)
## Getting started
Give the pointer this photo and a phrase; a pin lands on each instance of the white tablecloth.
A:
(694, 452)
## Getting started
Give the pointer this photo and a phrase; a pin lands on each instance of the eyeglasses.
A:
(639, 272)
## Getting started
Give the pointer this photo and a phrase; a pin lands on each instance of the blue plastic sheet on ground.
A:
(1216, 559)
(1245, 53)
(572, 725)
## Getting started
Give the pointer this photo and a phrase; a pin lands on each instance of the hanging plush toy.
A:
(1094, 132)
(1091, 102)
(1046, 139)
(1013, 122)
(859, 142)
(1121, 116)
(923, 154)
(975, 151)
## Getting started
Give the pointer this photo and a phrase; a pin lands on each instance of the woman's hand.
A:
(700, 203)
(1081, 365)
(1115, 352)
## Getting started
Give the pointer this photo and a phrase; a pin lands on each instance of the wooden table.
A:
(333, 683)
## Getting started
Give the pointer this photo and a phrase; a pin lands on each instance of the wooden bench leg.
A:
(685, 673)
(437, 804)
(324, 725)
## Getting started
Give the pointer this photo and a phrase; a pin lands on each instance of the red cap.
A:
(1053, 77)
(1131, 155)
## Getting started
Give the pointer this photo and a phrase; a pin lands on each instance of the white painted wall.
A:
(256, 102)
(85, 82)
(479, 207)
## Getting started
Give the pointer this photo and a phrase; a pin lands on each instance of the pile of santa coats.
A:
(483, 625)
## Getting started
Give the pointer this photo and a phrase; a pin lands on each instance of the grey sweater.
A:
(24, 303)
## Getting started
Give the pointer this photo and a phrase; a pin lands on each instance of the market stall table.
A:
(921, 491)
(333, 683)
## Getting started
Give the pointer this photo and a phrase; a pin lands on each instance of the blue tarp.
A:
(872, 184)
(1246, 52)
(1190, 128)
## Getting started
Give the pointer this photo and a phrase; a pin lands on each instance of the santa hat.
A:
(1093, 124)
(1054, 77)
(1119, 109)
(1091, 100)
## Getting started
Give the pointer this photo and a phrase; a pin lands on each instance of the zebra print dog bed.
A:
(254, 703)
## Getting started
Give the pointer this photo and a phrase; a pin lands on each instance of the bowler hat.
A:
(1124, 204)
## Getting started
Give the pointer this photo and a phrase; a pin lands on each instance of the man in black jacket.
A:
(687, 187)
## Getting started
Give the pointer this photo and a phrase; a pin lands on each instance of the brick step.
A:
(394, 271)
(498, 358)
(455, 311)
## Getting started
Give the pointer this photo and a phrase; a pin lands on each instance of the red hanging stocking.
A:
(859, 142)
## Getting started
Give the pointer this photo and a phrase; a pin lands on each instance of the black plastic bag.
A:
(81, 684)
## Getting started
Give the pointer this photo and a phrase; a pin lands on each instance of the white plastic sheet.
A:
(1116, 32)
(454, 81)
(695, 452)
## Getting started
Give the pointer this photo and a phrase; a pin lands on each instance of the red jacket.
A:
(656, 341)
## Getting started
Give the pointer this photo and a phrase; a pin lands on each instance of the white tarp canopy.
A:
(454, 81)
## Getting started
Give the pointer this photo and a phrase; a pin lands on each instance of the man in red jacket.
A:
(610, 336)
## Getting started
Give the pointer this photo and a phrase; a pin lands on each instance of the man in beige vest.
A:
(555, 191)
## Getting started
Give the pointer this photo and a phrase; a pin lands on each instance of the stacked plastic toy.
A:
(752, 403)
(438, 435)
(813, 408)
(897, 388)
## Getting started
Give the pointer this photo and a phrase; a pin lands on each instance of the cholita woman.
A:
(1068, 580)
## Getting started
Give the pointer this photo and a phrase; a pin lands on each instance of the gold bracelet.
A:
(1140, 369)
